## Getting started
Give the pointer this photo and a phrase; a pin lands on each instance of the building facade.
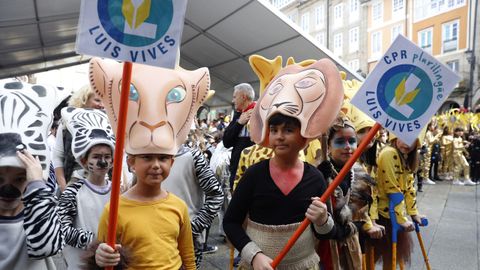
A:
(335, 24)
(360, 31)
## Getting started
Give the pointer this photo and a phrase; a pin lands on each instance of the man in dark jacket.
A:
(236, 135)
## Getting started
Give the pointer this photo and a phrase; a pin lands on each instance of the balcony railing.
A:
(450, 45)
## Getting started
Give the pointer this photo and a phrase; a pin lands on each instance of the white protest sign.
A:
(141, 31)
(405, 89)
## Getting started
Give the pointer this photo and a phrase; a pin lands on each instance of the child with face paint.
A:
(341, 143)
(30, 230)
(82, 202)
(26, 205)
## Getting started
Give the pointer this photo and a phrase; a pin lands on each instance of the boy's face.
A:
(286, 139)
(99, 160)
(13, 181)
(151, 169)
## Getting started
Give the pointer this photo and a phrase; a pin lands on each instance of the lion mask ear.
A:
(104, 75)
(312, 94)
(266, 69)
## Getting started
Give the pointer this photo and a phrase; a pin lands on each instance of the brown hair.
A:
(412, 158)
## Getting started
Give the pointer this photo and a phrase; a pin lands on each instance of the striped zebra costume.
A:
(33, 234)
(194, 182)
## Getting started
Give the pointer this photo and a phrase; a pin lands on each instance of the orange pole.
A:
(118, 155)
(331, 188)
(424, 252)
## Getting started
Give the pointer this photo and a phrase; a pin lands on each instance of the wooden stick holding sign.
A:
(118, 155)
(331, 188)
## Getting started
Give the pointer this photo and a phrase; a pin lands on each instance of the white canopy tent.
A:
(39, 35)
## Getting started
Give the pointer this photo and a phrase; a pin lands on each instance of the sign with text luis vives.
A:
(141, 31)
(405, 89)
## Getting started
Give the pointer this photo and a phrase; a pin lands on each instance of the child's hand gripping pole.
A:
(394, 200)
(331, 188)
(420, 240)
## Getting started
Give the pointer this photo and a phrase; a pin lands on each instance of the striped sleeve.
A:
(212, 189)
(67, 211)
(41, 222)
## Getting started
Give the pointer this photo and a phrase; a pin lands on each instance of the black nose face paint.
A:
(102, 163)
(10, 192)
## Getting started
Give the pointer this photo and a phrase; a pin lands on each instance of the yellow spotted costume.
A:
(393, 177)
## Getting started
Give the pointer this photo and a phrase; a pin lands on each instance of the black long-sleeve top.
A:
(238, 137)
(259, 197)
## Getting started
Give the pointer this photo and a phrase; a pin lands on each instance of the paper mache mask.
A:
(27, 115)
(313, 94)
(89, 127)
(161, 105)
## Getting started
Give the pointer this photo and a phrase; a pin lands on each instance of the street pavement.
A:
(451, 238)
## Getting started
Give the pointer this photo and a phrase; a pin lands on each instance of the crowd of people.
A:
(261, 173)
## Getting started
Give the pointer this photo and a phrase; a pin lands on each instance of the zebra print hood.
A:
(25, 120)
(89, 127)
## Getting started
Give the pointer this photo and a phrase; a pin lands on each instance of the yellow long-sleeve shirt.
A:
(393, 177)
(156, 234)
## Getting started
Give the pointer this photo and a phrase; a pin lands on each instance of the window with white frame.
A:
(377, 12)
(398, 5)
(354, 10)
(453, 65)
(305, 22)
(354, 64)
(338, 44)
(376, 43)
(428, 8)
(353, 39)
(320, 38)
(450, 36)
(338, 15)
(396, 30)
(319, 16)
(425, 39)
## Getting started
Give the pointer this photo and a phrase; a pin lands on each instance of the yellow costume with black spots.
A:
(393, 177)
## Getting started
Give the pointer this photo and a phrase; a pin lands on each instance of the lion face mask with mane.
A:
(313, 94)
(161, 105)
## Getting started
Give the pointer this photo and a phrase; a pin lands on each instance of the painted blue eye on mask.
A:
(341, 142)
(133, 93)
(176, 95)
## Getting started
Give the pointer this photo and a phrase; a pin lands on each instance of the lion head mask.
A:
(161, 105)
(313, 94)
